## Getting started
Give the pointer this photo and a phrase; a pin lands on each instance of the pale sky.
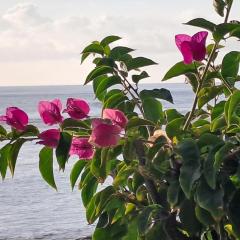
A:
(41, 40)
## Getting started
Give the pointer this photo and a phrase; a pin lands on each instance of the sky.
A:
(41, 40)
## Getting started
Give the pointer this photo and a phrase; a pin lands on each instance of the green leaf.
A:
(161, 93)
(221, 154)
(93, 48)
(62, 151)
(4, 151)
(174, 128)
(89, 190)
(219, 6)
(204, 216)
(234, 213)
(213, 204)
(188, 218)
(139, 62)
(202, 23)
(96, 72)
(207, 94)
(97, 204)
(153, 109)
(172, 114)
(231, 106)
(178, 69)
(109, 39)
(146, 218)
(222, 29)
(190, 169)
(13, 154)
(136, 122)
(137, 78)
(173, 193)
(230, 65)
(46, 166)
(3, 131)
(76, 171)
(217, 110)
(218, 124)
(210, 173)
(72, 123)
(118, 52)
(114, 100)
(106, 83)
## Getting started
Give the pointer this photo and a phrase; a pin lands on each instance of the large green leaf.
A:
(204, 216)
(172, 114)
(219, 6)
(202, 23)
(119, 51)
(207, 94)
(137, 78)
(153, 109)
(232, 106)
(230, 65)
(178, 69)
(136, 122)
(109, 39)
(106, 83)
(46, 166)
(62, 151)
(93, 48)
(98, 203)
(72, 123)
(222, 29)
(190, 170)
(188, 218)
(174, 127)
(76, 171)
(4, 151)
(139, 62)
(98, 71)
(161, 93)
(89, 190)
(13, 153)
(210, 200)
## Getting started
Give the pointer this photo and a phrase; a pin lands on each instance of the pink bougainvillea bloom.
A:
(104, 134)
(116, 116)
(16, 118)
(50, 111)
(82, 148)
(49, 138)
(77, 108)
(192, 48)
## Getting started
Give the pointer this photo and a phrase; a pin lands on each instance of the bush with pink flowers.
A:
(170, 175)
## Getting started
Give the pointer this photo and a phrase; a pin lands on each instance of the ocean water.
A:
(29, 208)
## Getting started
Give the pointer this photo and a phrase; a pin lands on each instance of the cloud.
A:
(28, 36)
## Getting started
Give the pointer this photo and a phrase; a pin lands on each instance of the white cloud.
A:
(34, 45)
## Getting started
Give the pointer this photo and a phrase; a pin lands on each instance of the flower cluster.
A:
(105, 131)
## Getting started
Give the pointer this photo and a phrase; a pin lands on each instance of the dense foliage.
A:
(168, 175)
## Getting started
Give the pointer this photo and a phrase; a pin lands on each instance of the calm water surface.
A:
(29, 208)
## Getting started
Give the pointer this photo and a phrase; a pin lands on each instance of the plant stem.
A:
(151, 188)
(201, 80)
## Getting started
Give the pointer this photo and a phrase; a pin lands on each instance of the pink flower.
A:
(77, 108)
(50, 111)
(49, 138)
(16, 118)
(82, 148)
(192, 48)
(116, 116)
(104, 134)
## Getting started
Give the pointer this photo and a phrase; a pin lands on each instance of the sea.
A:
(29, 208)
